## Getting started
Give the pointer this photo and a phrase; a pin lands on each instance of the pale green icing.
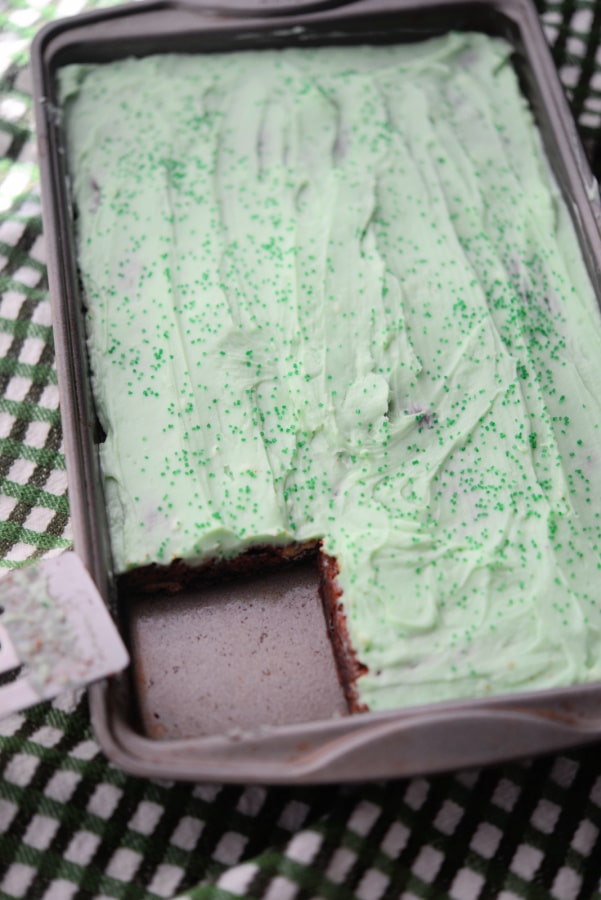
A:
(335, 293)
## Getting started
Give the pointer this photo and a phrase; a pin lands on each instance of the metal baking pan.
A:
(242, 687)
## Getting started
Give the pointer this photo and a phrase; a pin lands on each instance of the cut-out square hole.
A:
(238, 655)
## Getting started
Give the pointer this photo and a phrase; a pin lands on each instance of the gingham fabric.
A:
(74, 826)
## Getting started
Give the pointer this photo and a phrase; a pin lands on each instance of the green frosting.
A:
(335, 293)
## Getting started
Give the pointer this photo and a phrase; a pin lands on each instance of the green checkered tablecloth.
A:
(74, 826)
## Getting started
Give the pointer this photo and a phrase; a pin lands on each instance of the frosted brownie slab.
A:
(335, 294)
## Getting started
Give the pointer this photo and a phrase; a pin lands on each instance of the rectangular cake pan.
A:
(237, 682)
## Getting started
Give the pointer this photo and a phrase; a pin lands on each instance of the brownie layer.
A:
(334, 294)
